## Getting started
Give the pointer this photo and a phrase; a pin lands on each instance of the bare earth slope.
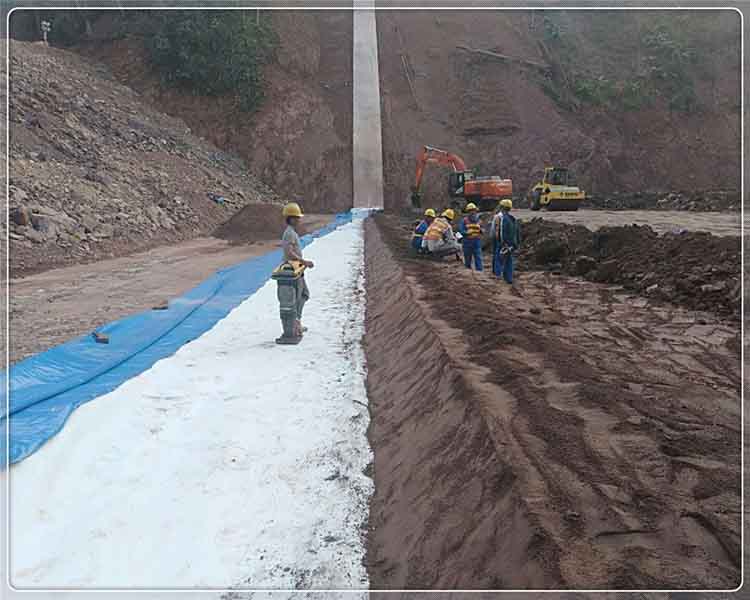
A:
(560, 434)
(299, 141)
(497, 116)
(97, 172)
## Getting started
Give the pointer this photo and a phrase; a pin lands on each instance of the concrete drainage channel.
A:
(367, 148)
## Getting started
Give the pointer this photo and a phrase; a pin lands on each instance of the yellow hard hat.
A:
(430, 213)
(470, 206)
(292, 210)
(506, 203)
(448, 214)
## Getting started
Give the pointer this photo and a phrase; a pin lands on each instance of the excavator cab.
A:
(456, 183)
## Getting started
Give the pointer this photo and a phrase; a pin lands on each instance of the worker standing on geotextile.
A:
(419, 230)
(292, 248)
(506, 238)
(471, 230)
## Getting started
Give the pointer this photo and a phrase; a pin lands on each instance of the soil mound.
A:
(694, 269)
(696, 201)
(260, 222)
(254, 222)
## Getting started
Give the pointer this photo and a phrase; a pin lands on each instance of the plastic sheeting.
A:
(46, 388)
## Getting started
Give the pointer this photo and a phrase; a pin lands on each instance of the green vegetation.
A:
(667, 61)
(663, 47)
(207, 52)
(212, 52)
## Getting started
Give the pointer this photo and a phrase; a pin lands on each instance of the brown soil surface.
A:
(553, 434)
(263, 222)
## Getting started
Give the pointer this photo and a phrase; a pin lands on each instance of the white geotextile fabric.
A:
(234, 463)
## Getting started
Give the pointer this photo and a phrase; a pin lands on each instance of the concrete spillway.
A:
(367, 154)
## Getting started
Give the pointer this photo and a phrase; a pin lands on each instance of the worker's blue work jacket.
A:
(416, 240)
(509, 231)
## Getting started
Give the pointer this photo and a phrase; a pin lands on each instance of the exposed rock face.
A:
(94, 171)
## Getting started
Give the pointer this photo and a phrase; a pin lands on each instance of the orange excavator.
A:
(485, 192)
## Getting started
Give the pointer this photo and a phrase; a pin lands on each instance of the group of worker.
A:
(434, 236)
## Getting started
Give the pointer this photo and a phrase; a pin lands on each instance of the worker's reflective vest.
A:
(437, 229)
(473, 231)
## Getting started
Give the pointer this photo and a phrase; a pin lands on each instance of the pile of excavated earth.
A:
(95, 172)
(562, 434)
(697, 270)
(693, 200)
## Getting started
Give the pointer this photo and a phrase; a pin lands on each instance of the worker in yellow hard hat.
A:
(419, 230)
(292, 248)
(439, 239)
(471, 240)
(506, 239)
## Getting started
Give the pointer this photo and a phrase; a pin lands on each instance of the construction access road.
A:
(718, 223)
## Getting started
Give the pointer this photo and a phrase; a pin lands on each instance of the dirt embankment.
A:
(695, 200)
(260, 222)
(446, 511)
(499, 118)
(556, 434)
(299, 141)
(95, 172)
(693, 269)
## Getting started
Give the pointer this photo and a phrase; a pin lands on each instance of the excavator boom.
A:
(486, 191)
(428, 154)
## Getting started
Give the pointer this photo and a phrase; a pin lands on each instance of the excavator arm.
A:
(428, 154)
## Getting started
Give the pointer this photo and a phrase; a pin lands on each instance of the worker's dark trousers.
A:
(502, 264)
(473, 249)
(303, 295)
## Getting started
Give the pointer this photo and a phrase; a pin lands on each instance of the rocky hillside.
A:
(299, 141)
(651, 104)
(96, 171)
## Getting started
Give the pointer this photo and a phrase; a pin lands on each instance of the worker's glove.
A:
(459, 237)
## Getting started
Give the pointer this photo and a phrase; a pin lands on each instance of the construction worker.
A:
(506, 239)
(439, 239)
(416, 239)
(471, 230)
(290, 243)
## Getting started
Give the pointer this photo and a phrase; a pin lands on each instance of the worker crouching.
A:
(506, 239)
(421, 228)
(290, 277)
(439, 239)
(471, 230)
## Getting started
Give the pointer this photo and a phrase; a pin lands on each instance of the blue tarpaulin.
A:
(46, 388)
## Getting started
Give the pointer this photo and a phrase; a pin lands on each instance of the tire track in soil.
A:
(591, 443)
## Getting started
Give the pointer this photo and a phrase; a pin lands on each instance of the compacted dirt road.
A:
(561, 433)
(718, 223)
